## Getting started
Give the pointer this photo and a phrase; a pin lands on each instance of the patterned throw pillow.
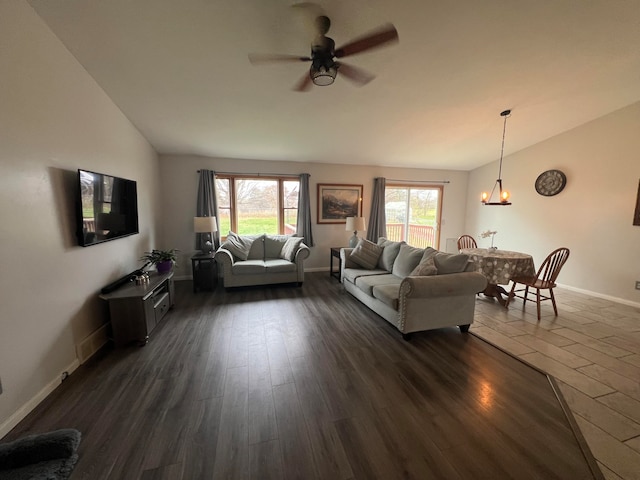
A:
(238, 245)
(290, 248)
(366, 254)
(425, 268)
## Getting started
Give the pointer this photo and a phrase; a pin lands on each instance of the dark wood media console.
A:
(135, 310)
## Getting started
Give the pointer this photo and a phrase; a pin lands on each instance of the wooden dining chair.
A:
(466, 241)
(544, 279)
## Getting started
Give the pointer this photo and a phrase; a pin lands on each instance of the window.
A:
(254, 205)
(413, 214)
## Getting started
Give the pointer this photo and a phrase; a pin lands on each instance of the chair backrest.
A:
(550, 268)
(466, 241)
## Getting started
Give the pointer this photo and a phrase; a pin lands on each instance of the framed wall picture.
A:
(636, 216)
(336, 202)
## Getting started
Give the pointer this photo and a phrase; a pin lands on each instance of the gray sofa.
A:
(413, 289)
(245, 260)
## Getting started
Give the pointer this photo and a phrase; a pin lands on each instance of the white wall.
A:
(593, 215)
(179, 180)
(54, 119)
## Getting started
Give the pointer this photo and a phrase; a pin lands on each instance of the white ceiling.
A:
(178, 69)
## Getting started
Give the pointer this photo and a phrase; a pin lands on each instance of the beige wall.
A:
(179, 180)
(592, 216)
(55, 119)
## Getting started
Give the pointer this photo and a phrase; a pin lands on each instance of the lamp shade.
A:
(355, 224)
(205, 224)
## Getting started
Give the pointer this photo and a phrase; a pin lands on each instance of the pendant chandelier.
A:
(503, 198)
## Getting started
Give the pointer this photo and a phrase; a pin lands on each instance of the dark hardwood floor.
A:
(306, 383)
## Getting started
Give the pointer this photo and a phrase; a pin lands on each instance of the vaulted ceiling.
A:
(179, 70)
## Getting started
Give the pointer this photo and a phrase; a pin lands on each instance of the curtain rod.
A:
(258, 174)
(417, 181)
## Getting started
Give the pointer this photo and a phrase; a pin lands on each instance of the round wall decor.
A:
(550, 183)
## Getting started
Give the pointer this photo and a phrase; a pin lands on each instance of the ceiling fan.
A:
(324, 68)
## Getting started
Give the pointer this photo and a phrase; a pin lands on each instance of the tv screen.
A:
(107, 208)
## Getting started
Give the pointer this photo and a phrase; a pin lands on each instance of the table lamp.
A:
(353, 225)
(206, 225)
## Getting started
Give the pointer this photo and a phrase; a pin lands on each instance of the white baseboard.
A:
(601, 295)
(91, 344)
(316, 269)
(23, 411)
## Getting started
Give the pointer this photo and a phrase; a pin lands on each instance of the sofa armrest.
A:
(345, 261)
(224, 257)
(453, 284)
(302, 253)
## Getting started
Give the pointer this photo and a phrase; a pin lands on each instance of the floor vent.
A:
(92, 344)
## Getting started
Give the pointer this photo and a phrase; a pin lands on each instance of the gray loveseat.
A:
(245, 260)
(413, 289)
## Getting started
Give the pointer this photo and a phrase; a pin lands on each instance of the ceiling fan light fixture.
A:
(324, 76)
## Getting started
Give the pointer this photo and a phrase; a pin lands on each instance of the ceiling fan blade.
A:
(304, 84)
(381, 36)
(355, 74)
(264, 58)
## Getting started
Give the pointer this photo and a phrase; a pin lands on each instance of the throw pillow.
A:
(408, 259)
(273, 245)
(425, 268)
(290, 248)
(238, 245)
(451, 263)
(389, 253)
(366, 254)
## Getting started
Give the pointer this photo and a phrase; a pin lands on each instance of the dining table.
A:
(499, 267)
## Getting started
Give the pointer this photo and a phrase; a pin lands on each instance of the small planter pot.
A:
(164, 267)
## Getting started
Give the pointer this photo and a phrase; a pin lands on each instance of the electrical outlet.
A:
(638, 285)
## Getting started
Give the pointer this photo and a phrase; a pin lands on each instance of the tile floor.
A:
(592, 348)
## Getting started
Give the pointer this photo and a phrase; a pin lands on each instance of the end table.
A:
(205, 273)
(335, 253)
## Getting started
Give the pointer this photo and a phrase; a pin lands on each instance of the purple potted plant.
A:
(164, 260)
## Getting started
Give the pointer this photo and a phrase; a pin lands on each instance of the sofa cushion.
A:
(450, 262)
(408, 259)
(275, 265)
(248, 267)
(389, 253)
(367, 283)
(273, 245)
(290, 248)
(388, 294)
(238, 245)
(352, 274)
(366, 254)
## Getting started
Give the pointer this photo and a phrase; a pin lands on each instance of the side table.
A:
(205, 273)
(335, 253)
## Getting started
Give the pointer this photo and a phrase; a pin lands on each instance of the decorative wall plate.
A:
(550, 183)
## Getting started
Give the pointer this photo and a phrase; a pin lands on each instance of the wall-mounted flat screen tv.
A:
(107, 208)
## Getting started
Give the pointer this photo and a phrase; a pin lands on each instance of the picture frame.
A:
(636, 216)
(338, 201)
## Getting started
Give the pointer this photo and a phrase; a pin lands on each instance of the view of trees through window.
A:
(250, 206)
(413, 214)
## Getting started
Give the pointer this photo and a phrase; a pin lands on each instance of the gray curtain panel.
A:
(378, 218)
(303, 228)
(207, 206)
